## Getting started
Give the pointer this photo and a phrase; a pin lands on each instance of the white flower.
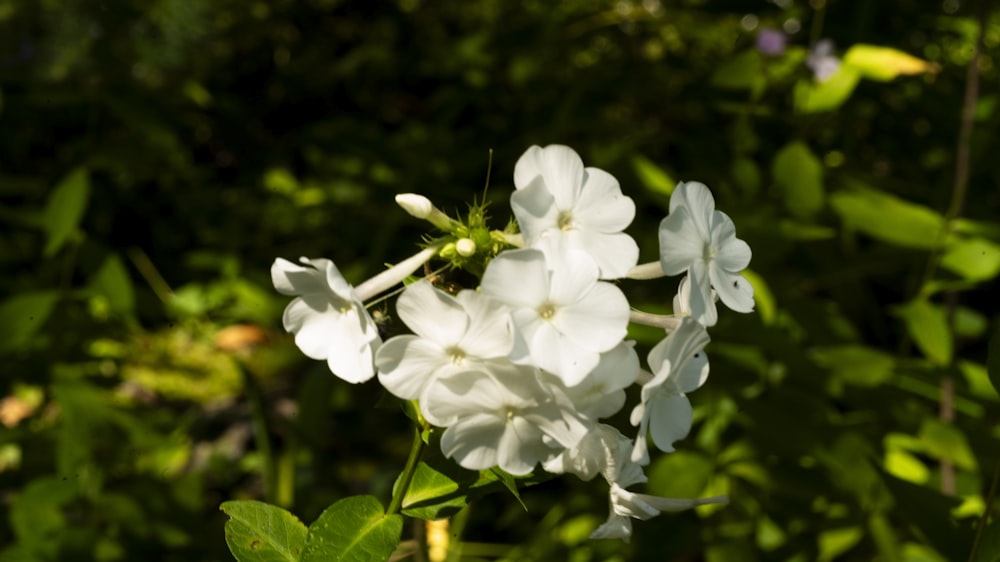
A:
(603, 450)
(602, 392)
(626, 505)
(557, 196)
(702, 241)
(499, 416)
(679, 366)
(327, 317)
(564, 317)
(451, 333)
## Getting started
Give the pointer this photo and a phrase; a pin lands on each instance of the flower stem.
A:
(416, 451)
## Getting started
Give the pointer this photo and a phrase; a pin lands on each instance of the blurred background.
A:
(156, 156)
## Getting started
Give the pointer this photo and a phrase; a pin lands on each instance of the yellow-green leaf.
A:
(888, 218)
(814, 97)
(884, 63)
(928, 326)
(64, 209)
(653, 177)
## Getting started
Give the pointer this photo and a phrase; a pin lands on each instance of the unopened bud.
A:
(465, 247)
(417, 205)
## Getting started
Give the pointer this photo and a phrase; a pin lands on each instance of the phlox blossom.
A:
(557, 196)
(697, 239)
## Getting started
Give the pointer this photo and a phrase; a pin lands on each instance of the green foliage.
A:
(355, 529)
(258, 532)
(144, 194)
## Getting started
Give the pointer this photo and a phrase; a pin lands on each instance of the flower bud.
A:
(417, 205)
(465, 247)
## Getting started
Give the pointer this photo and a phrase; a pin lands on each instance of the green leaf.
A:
(799, 176)
(946, 442)
(834, 542)
(653, 177)
(993, 359)
(259, 532)
(21, 316)
(113, 283)
(353, 529)
(747, 175)
(763, 297)
(975, 259)
(510, 483)
(683, 474)
(432, 494)
(65, 209)
(928, 326)
(888, 218)
(884, 63)
(856, 364)
(815, 97)
(741, 72)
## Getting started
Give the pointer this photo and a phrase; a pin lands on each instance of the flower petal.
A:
(615, 254)
(601, 205)
(698, 200)
(432, 313)
(732, 254)
(669, 420)
(407, 363)
(561, 168)
(733, 289)
(681, 244)
(535, 210)
(517, 278)
(702, 302)
(472, 441)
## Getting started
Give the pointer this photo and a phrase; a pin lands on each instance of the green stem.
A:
(990, 496)
(416, 451)
(259, 419)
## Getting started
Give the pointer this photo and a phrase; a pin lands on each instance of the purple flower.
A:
(771, 41)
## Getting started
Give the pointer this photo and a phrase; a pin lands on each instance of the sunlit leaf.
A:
(21, 316)
(799, 176)
(834, 542)
(432, 494)
(884, 63)
(653, 177)
(975, 259)
(683, 474)
(64, 209)
(355, 529)
(815, 97)
(763, 298)
(259, 532)
(928, 326)
(888, 218)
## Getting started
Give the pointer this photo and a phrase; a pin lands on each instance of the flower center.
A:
(456, 355)
(709, 253)
(510, 414)
(565, 221)
(547, 311)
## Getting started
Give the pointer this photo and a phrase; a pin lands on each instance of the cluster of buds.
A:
(520, 370)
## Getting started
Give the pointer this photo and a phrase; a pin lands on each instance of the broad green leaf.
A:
(799, 176)
(259, 532)
(856, 364)
(977, 378)
(741, 72)
(928, 326)
(36, 511)
(814, 97)
(888, 218)
(975, 259)
(884, 63)
(946, 442)
(993, 359)
(653, 177)
(355, 529)
(65, 209)
(884, 536)
(113, 283)
(432, 494)
(21, 316)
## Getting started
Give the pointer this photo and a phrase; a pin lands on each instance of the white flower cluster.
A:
(520, 371)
